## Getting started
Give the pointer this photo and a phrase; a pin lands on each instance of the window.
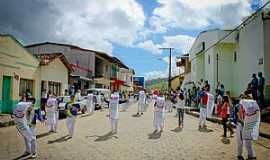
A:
(235, 57)
(26, 85)
(209, 58)
(55, 88)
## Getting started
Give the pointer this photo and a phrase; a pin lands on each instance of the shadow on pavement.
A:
(136, 115)
(206, 130)
(22, 157)
(177, 129)
(154, 135)
(87, 115)
(225, 140)
(43, 135)
(104, 137)
(59, 140)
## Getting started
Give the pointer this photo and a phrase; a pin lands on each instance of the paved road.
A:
(133, 142)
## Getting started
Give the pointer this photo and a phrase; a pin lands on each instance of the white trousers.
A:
(70, 125)
(158, 120)
(140, 107)
(114, 124)
(51, 119)
(240, 142)
(203, 114)
(56, 119)
(28, 135)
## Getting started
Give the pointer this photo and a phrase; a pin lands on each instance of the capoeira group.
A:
(247, 123)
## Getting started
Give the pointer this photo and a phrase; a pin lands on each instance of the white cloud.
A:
(96, 24)
(149, 46)
(198, 14)
(165, 73)
(180, 43)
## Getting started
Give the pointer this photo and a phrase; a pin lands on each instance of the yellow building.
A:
(176, 82)
(19, 72)
(54, 71)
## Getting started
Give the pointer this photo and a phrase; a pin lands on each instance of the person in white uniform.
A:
(20, 117)
(114, 111)
(240, 135)
(90, 103)
(51, 110)
(159, 113)
(142, 101)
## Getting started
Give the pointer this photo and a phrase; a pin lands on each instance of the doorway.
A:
(6, 95)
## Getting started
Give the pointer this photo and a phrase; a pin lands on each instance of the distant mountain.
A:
(160, 83)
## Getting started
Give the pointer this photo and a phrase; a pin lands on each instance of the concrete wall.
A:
(250, 49)
(56, 71)
(267, 58)
(84, 58)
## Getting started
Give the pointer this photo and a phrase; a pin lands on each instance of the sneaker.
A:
(34, 155)
(240, 158)
(25, 154)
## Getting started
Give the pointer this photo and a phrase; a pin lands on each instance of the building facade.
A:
(233, 60)
(81, 60)
(19, 73)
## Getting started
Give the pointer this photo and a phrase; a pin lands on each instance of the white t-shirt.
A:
(180, 104)
(21, 108)
(160, 104)
(114, 106)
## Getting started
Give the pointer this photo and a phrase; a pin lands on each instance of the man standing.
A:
(142, 101)
(261, 83)
(159, 113)
(203, 108)
(114, 111)
(254, 87)
(51, 113)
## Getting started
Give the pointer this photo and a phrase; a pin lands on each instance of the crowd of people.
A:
(233, 112)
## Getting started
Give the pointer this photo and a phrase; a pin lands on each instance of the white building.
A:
(236, 58)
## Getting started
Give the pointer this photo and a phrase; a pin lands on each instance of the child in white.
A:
(159, 113)
(142, 101)
(51, 113)
(20, 115)
(114, 111)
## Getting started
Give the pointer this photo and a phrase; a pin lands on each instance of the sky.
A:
(132, 30)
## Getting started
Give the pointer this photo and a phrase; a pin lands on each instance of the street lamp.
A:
(170, 67)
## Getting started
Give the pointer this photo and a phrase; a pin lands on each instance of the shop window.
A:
(26, 85)
(55, 88)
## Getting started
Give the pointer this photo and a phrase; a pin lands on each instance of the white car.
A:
(63, 100)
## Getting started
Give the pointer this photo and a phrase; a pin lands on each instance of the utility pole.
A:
(170, 68)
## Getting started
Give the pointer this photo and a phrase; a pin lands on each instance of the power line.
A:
(245, 22)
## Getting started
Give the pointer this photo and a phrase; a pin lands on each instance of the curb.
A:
(219, 121)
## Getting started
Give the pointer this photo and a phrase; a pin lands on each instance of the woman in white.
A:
(51, 110)
(159, 113)
(114, 111)
(20, 118)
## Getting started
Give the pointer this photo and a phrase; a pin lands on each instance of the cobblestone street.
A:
(134, 140)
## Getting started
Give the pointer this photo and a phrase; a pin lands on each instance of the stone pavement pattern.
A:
(134, 140)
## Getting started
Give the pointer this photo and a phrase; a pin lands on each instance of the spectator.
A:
(254, 87)
(225, 114)
(261, 82)
(207, 86)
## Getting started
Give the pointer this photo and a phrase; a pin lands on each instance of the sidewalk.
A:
(6, 120)
(264, 128)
